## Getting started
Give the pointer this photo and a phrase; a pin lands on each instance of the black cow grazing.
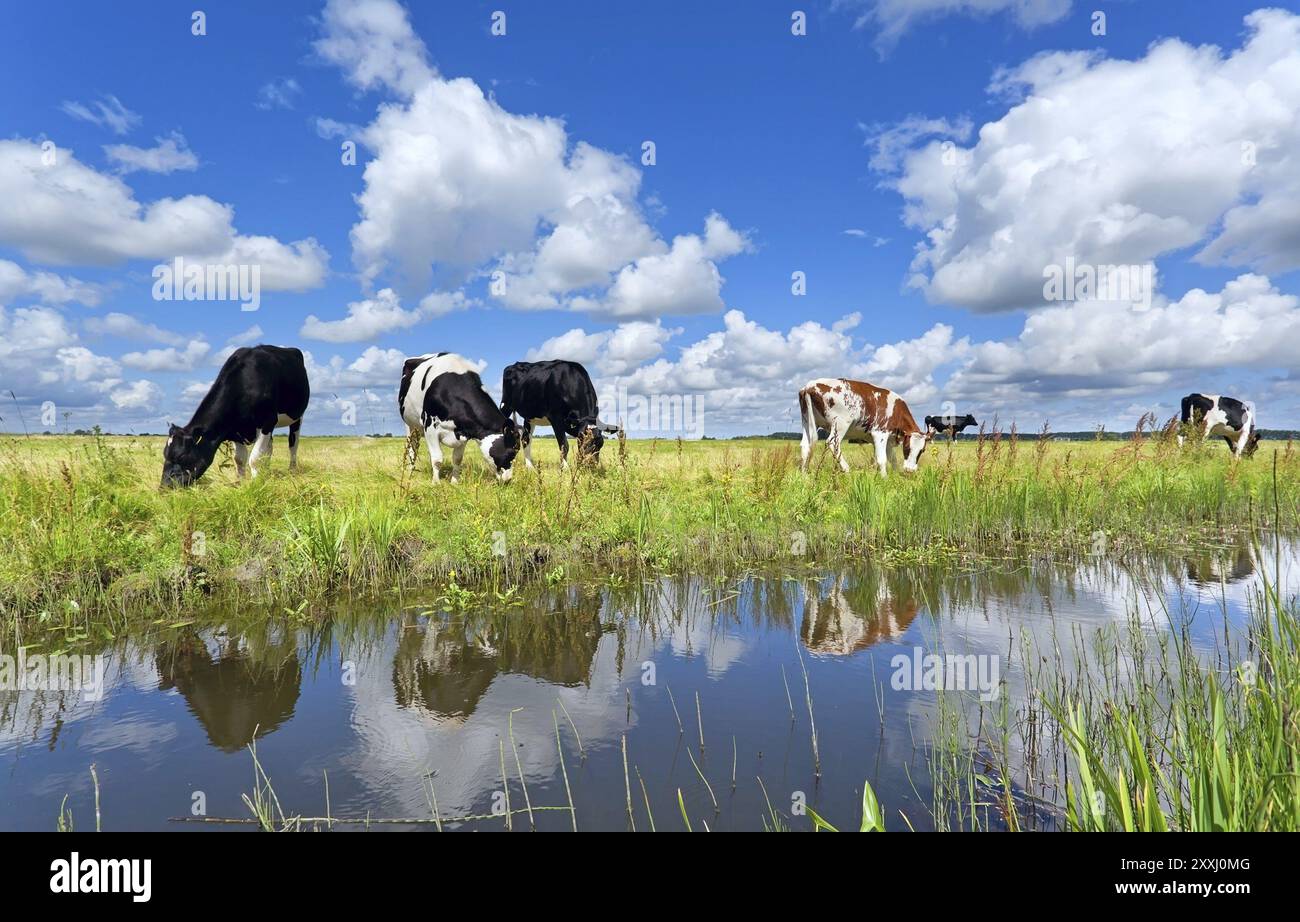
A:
(443, 399)
(950, 425)
(558, 394)
(258, 389)
(1222, 416)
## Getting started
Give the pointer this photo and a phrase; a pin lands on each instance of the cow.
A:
(1222, 416)
(258, 389)
(846, 409)
(950, 425)
(442, 398)
(558, 394)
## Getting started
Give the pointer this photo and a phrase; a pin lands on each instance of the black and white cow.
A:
(443, 399)
(258, 389)
(949, 425)
(1222, 416)
(558, 394)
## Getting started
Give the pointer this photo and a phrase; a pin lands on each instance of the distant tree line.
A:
(1280, 435)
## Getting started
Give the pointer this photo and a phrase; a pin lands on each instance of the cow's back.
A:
(260, 382)
(537, 390)
(418, 376)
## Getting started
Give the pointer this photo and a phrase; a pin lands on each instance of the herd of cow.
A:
(442, 399)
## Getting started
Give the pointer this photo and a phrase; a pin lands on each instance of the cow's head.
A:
(913, 444)
(590, 433)
(500, 450)
(1252, 443)
(187, 454)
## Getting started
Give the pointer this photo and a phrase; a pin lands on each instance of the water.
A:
(396, 703)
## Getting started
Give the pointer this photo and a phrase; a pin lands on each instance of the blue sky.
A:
(820, 153)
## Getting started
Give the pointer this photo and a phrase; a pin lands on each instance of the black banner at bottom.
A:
(132, 872)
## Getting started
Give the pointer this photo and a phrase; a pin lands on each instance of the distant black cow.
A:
(257, 390)
(442, 398)
(1222, 416)
(558, 394)
(950, 425)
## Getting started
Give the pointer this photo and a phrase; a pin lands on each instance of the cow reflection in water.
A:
(849, 616)
(445, 664)
(1232, 565)
(239, 688)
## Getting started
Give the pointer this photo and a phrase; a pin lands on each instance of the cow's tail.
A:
(808, 417)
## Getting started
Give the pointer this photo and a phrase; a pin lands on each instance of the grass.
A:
(91, 539)
(1185, 744)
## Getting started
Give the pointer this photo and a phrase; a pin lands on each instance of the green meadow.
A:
(86, 527)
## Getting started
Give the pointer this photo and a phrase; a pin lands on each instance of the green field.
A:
(86, 527)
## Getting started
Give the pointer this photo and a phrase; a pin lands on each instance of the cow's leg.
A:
(262, 446)
(241, 460)
(838, 433)
(564, 448)
(527, 433)
(435, 453)
(457, 455)
(1247, 429)
(808, 442)
(882, 451)
(293, 444)
(412, 444)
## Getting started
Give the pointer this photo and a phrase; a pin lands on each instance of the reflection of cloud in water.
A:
(455, 683)
(455, 724)
(43, 718)
(434, 693)
(987, 613)
(694, 622)
(444, 666)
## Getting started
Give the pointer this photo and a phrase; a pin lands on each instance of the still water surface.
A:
(395, 704)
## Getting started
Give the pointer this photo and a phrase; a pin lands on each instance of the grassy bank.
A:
(86, 527)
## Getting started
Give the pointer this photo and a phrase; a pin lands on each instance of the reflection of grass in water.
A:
(1186, 744)
(84, 521)
(1156, 735)
(1153, 733)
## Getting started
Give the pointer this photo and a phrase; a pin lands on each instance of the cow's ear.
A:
(197, 433)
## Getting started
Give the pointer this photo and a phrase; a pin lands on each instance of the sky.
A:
(711, 202)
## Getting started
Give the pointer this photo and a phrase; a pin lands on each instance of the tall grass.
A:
(1187, 744)
(86, 528)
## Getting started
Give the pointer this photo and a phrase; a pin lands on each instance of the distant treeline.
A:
(1280, 435)
(1105, 436)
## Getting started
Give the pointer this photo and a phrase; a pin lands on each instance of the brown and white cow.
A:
(846, 409)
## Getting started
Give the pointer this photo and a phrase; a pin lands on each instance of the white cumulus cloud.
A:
(1115, 162)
